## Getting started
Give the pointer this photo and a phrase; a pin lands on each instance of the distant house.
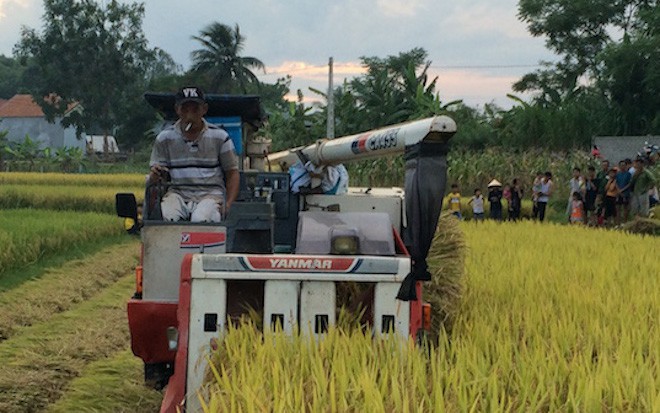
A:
(95, 144)
(616, 148)
(21, 116)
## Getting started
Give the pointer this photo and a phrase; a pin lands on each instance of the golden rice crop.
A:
(26, 235)
(553, 318)
(36, 178)
(63, 197)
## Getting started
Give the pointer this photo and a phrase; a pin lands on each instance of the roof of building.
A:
(23, 106)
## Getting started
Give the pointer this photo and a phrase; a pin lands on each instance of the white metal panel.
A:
(281, 302)
(317, 302)
(387, 306)
(390, 202)
(208, 297)
(164, 248)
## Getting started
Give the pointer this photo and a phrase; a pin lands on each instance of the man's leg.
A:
(207, 210)
(634, 206)
(541, 207)
(173, 207)
(644, 205)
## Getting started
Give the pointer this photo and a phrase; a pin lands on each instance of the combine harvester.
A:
(283, 253)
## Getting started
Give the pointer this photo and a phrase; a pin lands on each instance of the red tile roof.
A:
(23, 106)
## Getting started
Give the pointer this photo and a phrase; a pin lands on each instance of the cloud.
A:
(483, 18)
(13, 15)
(473, 86)
(399, 8)
(306, 71)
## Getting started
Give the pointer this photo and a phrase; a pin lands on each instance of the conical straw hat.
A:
(494, 182)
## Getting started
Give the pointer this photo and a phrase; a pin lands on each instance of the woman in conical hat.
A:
(495, 199)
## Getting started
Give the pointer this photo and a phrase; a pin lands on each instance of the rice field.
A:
(553, 318)
(35, 178)
(28, 234)
(66, 192)
(537, 317)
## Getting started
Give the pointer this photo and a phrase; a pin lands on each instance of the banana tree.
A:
(28, 150)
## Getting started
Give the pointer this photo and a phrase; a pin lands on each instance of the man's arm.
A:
(158, 162)
(233, 184)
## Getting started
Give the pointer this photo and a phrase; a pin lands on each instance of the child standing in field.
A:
(455, 201)
(577, 209)
(477, 202)
(576, 184)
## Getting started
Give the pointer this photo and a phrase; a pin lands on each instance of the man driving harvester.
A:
(201, 161)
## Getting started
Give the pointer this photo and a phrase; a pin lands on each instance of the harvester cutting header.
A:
(285, 249)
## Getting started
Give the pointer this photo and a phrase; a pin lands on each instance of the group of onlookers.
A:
(610, 196)
(512, 194)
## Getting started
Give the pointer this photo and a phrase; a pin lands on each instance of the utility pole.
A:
(331, 104)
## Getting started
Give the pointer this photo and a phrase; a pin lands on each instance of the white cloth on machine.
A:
(333, 180)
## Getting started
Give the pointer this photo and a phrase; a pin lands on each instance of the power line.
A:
(485, 67)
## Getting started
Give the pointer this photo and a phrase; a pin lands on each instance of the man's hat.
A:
(190, 94)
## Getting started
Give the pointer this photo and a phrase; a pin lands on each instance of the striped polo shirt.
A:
(201, 162)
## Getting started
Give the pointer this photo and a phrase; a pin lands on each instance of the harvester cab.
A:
(291, 256)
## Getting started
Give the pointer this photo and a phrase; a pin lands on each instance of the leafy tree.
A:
(630, 78)
(578, 30)
(220, 61)
(297, 126)
(88, 54)
(609, 49)
(11, 73)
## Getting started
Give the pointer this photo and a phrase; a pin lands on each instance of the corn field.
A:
(552, 318)
(472, 169)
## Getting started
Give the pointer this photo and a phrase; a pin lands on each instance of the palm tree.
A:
(220, 59)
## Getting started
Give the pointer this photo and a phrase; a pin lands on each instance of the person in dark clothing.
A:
(515, 203)
(591, 193)
(495, 199)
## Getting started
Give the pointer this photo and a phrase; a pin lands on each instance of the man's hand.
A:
(157, 173)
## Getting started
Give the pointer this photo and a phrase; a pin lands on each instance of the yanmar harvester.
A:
(284, 253)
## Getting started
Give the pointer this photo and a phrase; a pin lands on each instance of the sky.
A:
(477, 48)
